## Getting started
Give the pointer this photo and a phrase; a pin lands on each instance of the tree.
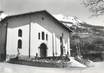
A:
(95, 6)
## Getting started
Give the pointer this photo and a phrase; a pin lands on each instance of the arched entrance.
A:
(43, 50)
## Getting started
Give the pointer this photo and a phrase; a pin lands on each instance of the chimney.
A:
(2, 15)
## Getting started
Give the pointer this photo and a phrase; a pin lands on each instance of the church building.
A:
(34, 34)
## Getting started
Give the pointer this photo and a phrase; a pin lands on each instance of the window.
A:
(46, 36)
(20, 44)
(19, 33)
(42, 35)
(42, 18)
(38, 35)
(61, 39)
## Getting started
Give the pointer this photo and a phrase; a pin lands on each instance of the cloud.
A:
(54, 6)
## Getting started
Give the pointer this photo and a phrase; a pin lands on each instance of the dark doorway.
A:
(43, 50)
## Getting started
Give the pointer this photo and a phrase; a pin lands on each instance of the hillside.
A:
(86, 39)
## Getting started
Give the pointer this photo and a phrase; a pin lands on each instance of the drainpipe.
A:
(53, 44)
(29, 35)
(5, 46)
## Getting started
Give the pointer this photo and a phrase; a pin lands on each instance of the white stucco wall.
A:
(35, 42)
(12, 40)
(48, 26)
(54, 31)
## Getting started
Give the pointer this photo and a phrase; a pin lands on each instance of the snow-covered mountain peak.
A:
(61, 17)
(68, 19)
(72, 19)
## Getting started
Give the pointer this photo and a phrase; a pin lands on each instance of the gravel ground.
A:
(14, 68)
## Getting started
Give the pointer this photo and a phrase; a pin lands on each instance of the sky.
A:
(65, 7)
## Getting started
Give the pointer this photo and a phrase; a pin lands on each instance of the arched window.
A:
(43, 35)
(19, 33)
(20, 44)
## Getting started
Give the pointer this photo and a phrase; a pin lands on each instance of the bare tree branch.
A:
(94, 6)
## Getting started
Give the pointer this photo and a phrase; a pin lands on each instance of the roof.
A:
(42, 11)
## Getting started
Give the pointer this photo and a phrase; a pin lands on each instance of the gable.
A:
(27, 18)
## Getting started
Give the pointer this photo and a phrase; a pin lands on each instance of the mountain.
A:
(79, 26)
